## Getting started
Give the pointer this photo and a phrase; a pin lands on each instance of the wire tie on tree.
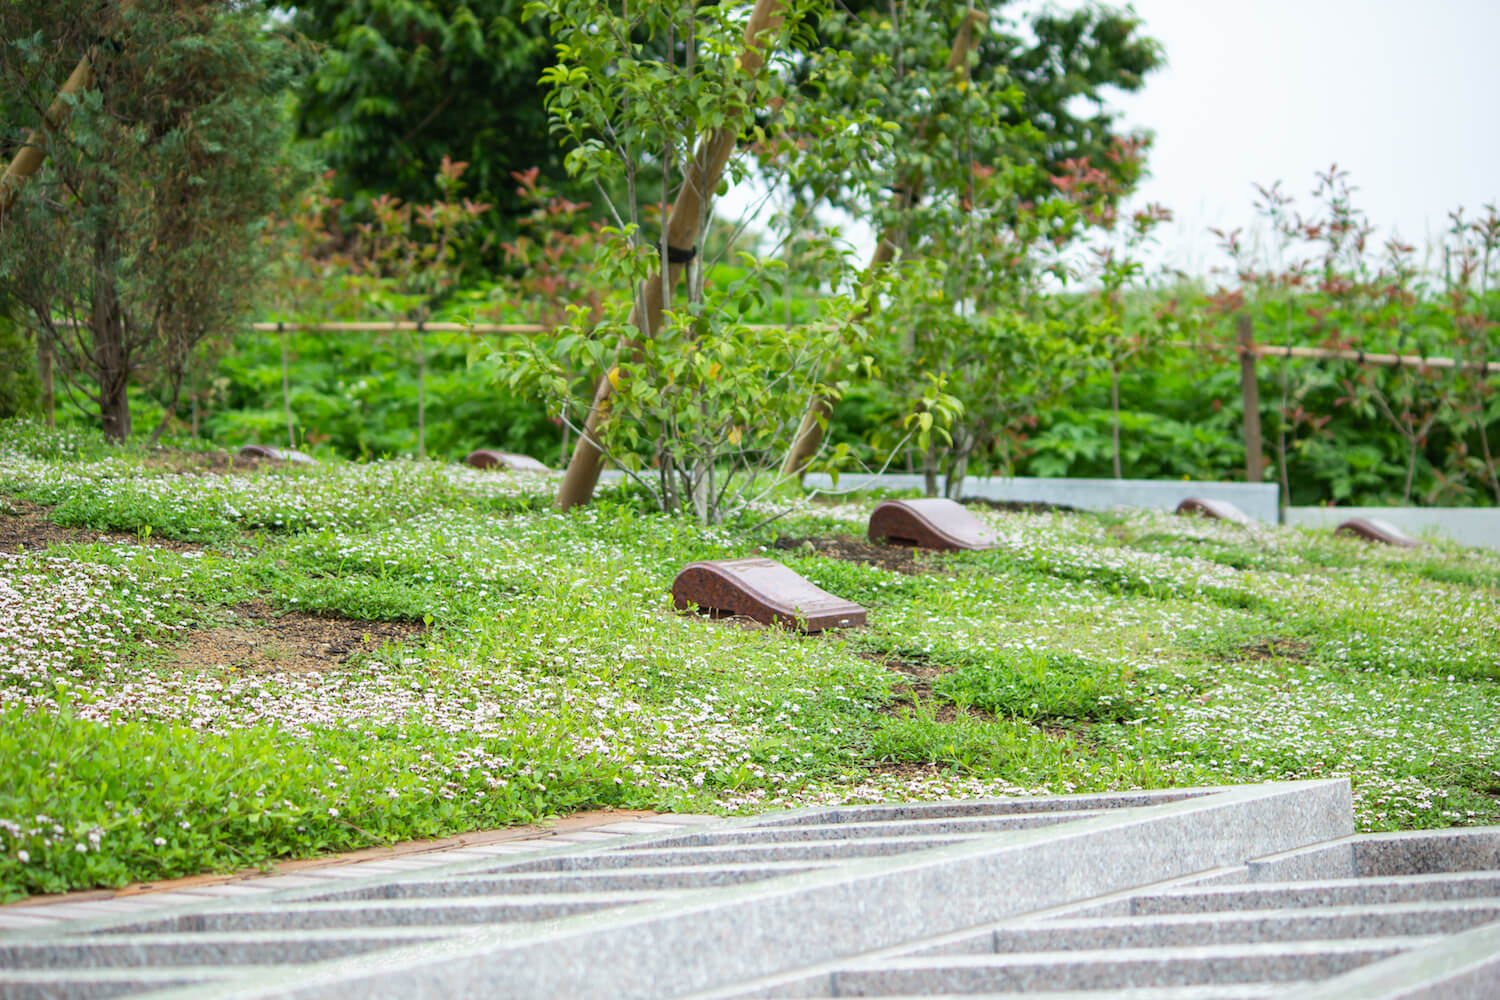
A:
(677, 255)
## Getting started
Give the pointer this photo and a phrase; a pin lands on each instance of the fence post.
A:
(1250, 391)
(44, 369)
(421, 392)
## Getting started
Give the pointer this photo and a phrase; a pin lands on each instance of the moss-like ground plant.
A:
(545, 671)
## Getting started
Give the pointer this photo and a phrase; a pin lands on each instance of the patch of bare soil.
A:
(916, 688)
(263, 640)
(1294, 650)
(28, 526)
(1020, 507)
(199, 462)
(899, 558)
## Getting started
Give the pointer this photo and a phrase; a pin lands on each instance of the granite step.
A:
(114, 951)
(650, 856)
(967, 826)
(390, 913)
(953, 808)
(1331, 923)
(1114, 969)
(605, 880)
(1325, 892)
(89, 984)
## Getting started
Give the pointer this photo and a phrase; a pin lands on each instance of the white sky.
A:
(1402, 93)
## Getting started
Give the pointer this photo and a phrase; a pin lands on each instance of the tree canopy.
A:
(404, 83)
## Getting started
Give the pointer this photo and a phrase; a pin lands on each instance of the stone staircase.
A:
(1253, 891)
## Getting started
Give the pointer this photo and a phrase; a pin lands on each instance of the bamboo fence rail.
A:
(1245, 347)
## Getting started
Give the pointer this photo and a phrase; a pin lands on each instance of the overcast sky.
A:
(1400, 93)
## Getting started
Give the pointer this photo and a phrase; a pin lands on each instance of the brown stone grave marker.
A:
(1218, 510)
(1373, 529)
(929, 523)
(488, 458)
(277, 454)
(764, 590)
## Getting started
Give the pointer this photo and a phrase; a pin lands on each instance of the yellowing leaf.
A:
(614, 378)
(734, 436)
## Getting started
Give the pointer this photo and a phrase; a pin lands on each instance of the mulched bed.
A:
(264, 640)
(199, 462)
(1293, 650)
(900, 559)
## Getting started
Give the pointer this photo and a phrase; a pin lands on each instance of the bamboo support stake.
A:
(421, 392)
(703, 176)
(1250, 393)
(810, 432)
(44, 369)
(29, 157)
(1386, 360)
(398, 326)
(1360, 357)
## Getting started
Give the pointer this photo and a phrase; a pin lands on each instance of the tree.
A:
(138, 239)
(404, 84)
(690, 400)
(985, 143)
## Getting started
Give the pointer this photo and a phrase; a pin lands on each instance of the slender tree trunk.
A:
(44, 368)
(1114, 409)
(421, 394)
(286, 394)
(171, 413)
(1489, 460)
(111, 356)
(958, 465)
(1411, 471)
(1250, 396)
(809, 437)
(682, 232)
(1286, 478)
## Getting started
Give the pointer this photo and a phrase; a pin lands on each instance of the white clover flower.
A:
(160, 841)
(24, 856)
(333, 812)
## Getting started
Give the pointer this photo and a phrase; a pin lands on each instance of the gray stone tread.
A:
(392, 912)
(1121, 968)
(983, 807)
(1325, 892)
(1220, 927)
(205, 947)
(966, 826)
(639, 857)
(1254, 991)
(687, 878)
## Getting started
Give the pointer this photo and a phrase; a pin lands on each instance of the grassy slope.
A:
(1086, 652)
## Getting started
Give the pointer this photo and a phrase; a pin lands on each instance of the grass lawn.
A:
(205, 665)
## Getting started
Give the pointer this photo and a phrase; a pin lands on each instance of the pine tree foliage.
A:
(140, 236)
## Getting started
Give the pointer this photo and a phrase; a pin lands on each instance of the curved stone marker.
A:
(929, 523)
(1373, 529)
(488, 458)
(1218, 510)
(763, 590)
(277, 454)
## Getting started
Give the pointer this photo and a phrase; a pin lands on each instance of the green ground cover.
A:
(541, 669)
